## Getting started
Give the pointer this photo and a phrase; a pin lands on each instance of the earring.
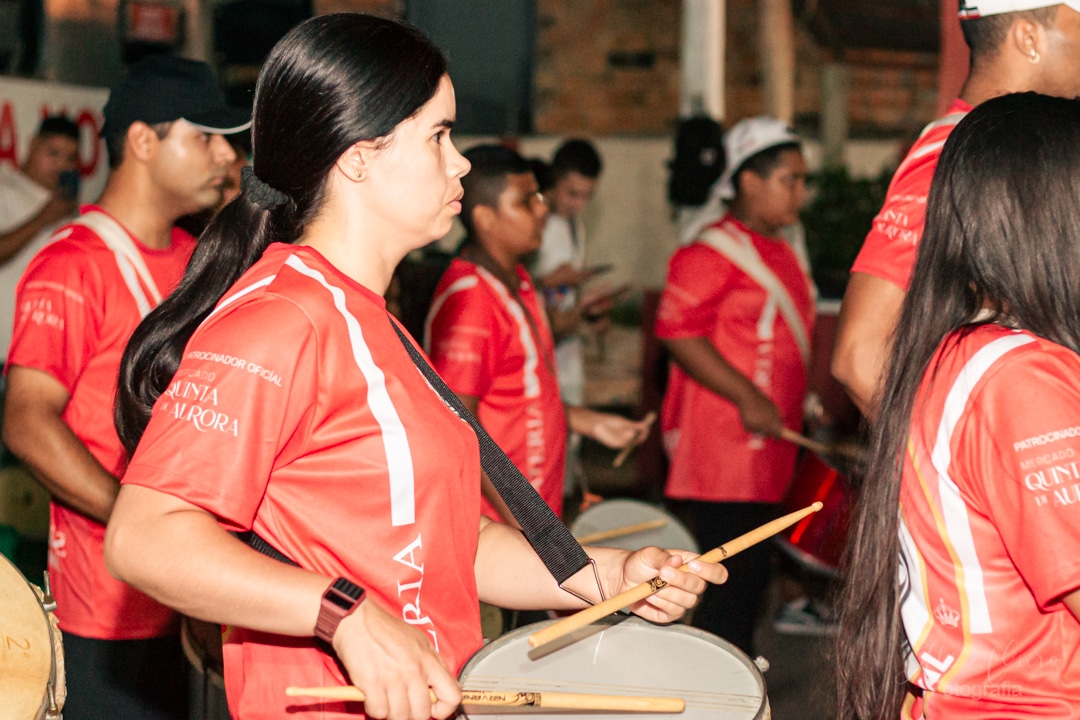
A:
(1034, 57)
(359, 175)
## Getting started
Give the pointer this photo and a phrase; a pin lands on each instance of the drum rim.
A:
(48, 700)
(635, 621)
(634, 502)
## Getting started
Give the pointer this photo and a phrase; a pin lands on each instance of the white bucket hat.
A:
(747, 138)
(974, 9)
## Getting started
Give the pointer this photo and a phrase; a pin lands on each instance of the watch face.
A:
(342, 601)
(347, 595)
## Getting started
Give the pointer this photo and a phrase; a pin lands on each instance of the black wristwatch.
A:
(338, 602)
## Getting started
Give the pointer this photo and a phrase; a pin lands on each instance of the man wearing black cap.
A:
(1016, 46)
(77, 305)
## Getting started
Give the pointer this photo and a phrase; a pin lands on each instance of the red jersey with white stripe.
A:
(706, 296)
(891, 246)
(296, 412)
(990, 528)
(74, 316)
(484, 344)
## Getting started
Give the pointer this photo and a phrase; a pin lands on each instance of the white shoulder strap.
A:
(128, 258)
(743, 255)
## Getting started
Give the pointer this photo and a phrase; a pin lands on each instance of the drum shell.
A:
(620, 512)
(817, 541)
(625, 656)
(29, 671)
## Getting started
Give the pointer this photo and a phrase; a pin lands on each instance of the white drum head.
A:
(633, 657)
(621, 513)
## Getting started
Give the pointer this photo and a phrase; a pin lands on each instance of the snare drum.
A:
(612, 516)
(632, 657)
(32, 660)
(817, 541)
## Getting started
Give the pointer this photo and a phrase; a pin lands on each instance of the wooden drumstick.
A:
(649, 419)
(622, 531)
(640, 592)
(802, 441)
(510, 698)
(847, 450)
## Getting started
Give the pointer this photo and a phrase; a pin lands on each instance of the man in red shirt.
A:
(77, 305)
(736, 314)
(1016, 45)
(488, 335)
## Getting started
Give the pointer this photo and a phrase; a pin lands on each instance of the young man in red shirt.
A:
(488, 335)
(736, 314)
(1016, 46)
(77, 304)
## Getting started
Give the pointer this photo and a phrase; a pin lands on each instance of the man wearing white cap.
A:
(736, 314)
(1016, 46)
(76, 306)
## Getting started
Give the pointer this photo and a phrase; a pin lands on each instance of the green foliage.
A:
(837, 221)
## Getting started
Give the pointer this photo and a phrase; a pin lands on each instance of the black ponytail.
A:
(333, 81)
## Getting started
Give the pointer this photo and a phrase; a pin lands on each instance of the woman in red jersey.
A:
(271, 393)
(963, 566)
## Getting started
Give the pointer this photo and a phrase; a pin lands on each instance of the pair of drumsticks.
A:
(562, 628)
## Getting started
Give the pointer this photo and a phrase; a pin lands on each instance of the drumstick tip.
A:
(817, 506)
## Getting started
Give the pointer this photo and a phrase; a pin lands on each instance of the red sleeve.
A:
(1026, 451)
(240, 400)
(891, 247)
(58, 313)
(464, 338)
(697, 276)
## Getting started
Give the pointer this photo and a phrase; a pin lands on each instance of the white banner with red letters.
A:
(23, 103)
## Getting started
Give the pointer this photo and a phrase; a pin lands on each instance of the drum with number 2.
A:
(32, 662)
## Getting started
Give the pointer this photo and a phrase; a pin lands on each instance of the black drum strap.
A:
(557, 548)
(256, 542)
(552, 542)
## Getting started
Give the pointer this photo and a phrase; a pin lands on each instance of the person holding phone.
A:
(34, 199)
(560, 261)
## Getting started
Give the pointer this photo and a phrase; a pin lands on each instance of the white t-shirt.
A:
(20, 199)
(558, 247)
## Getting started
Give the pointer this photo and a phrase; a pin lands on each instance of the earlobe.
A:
(483, 217)
(1026, 38)
(355, 162)
(141, 141)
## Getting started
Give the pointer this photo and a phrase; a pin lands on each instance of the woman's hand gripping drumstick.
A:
(644, 590)
(511, 698)
(647, 421)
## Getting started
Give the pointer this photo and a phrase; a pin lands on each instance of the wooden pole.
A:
(776, 53)
(702, 58)
(835, 81)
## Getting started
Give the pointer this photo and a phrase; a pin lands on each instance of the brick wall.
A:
(611, 67)
(607, 67)
(385, 8)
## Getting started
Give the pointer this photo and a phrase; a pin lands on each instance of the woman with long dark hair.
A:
(963, 564)
(271, 393)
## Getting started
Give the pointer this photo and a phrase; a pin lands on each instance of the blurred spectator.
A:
(33, 200)
(560, 261)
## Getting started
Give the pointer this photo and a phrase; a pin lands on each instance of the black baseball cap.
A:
(164, 88)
